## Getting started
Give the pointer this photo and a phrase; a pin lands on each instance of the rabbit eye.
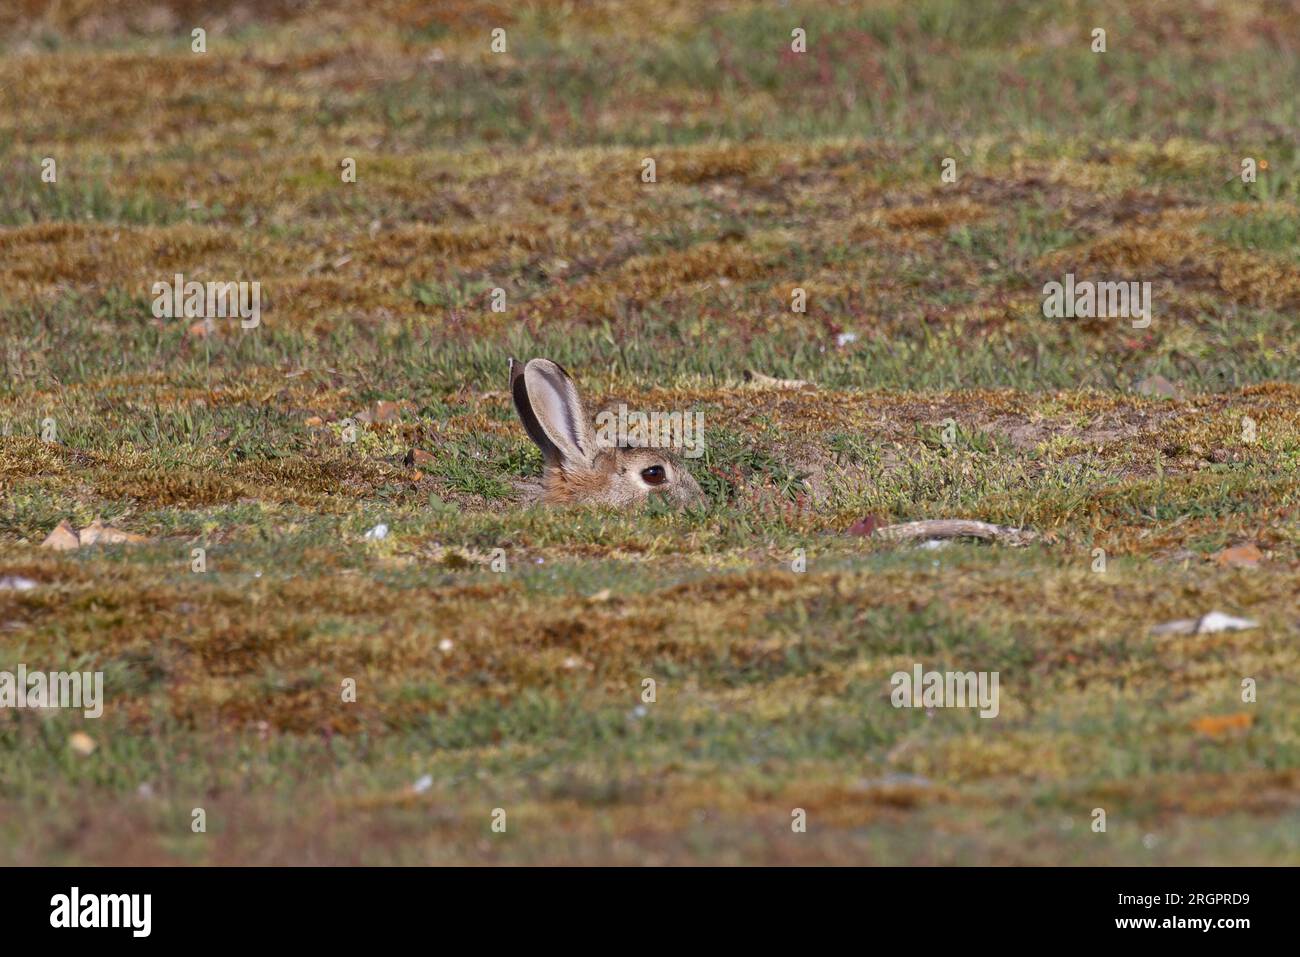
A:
(654, 475)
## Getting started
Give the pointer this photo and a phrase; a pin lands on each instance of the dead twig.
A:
(944, 528)
(759, 381)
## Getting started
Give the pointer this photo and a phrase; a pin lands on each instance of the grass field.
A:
(941, 390)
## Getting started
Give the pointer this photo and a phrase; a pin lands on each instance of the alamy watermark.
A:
(653, 430)
(208, 300)
(53, 689)
(130, 911)
(1098, 300)
(946, 689)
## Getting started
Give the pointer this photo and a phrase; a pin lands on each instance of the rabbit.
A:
(575, 468)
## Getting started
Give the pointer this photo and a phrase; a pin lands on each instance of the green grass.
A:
(499, 650)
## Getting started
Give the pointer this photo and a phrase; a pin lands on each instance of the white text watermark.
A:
(53, 689)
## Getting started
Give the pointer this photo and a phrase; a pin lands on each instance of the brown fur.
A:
(612, 480)
(576, 469)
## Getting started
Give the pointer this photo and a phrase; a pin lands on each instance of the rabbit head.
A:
(576, 468)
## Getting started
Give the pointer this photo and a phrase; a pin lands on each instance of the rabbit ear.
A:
(519, 391)
(552, 413)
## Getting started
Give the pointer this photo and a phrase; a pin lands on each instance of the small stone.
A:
(418, 457)
(99, 533)
(1159, 386)
(1208, 624)
(865, 526)
(1239, 556)
(62, 538)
